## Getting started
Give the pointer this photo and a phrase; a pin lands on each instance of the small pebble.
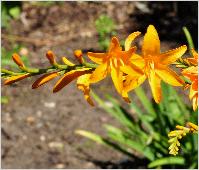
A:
(30, 120)
(39, 113)
(60, 166)
(50, 104)
(57, 145)
(42, 138)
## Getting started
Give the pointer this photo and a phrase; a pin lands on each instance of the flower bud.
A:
(51, 57)
(17, 59)
(79, 55)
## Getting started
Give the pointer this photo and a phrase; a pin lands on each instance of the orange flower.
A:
(111, 62)
(155, 64)
(192, 74)
(14, 79)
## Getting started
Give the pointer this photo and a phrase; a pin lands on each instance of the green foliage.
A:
(106, 28)
(188, 37)
(9, 10)
(144, 129)
(4, 100)
(45, 3)
(6, 59)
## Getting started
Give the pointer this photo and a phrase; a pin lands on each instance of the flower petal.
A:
(99, 73)
(137, 60)
(44, 79)
(131, 82)
(68, 77)
(14, 79)
(126, 55)
(151, 44)
(132, 70)
(98, 58)
(155, 84)
(171, 56)
(83, 84)
(114, 45)
(130, 38)
(116, 76)
(169, 76)
(67, 62)
(195, 102)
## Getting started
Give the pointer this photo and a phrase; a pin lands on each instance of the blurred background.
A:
(38, 126)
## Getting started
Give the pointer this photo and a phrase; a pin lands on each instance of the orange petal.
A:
(129, 39)
(68, 77)
(44, 79)
(126, 55)
(194, 53)
(132, 70)
(151, 44)
(83, 84)
(67, 62)
(171, 56)
(14, 79)
(17, 60)
(97, 57)
(99, 73)
(195, 102)
(155, 84)
(114, 45)
(169, 76)
(51, 57)
(116, 76)
(137, 60)
(131, 82)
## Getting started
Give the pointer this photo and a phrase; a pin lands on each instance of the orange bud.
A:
(79, 55)
(14, 79)
(51, 57)
(17, 59)
(44, 79)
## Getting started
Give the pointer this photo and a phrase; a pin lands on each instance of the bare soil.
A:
(38, 126)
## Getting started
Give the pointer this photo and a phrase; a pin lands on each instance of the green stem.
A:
(145, 101)
(189, 38)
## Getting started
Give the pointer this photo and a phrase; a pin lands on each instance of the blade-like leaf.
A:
(167, 161)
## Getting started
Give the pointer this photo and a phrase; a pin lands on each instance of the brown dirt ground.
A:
(38, 126)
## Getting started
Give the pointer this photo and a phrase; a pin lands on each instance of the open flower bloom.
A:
(111, 62)
(155, 64)
(192, 74)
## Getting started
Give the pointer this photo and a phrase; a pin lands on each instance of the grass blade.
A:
(167, 161)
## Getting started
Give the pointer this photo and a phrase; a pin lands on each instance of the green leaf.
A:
(145, 101)
(122, 137)
(15, 12)
(167, 161)
(103, 141)
(4, 99)
(91, 136)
